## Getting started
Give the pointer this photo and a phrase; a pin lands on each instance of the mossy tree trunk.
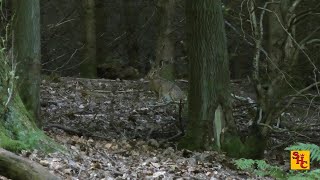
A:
(17, 127)
(164, 44)
(26, 48)
(210, 112)
(18, 130)
(88, 67)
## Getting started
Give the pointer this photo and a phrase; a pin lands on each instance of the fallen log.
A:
(16, 167)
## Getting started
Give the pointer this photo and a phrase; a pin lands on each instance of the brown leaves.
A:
(123, 112)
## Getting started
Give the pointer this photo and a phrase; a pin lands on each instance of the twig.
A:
(179, 134)
(298, 93)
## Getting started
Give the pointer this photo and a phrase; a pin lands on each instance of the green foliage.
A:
(314, 150)
(311, 175)
(260, 168)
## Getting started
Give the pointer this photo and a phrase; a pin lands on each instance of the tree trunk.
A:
(164, 44)
(88, 66)
(17, 128)
(26, 47)
(209, 85)
(16, 167)
(17, 115)
(101, 15)
(130, 19)
(283, 55)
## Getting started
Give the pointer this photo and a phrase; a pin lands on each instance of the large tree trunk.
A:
(17, 130)
(209, 85)
(18, 168)
(89, 67)
(17, 125)
(26, 47)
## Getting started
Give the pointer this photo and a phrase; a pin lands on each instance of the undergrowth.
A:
(262, 168)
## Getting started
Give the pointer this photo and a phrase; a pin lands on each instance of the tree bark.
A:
(26, 48)
(16, 167)
(89, 66)
(130, 19)
(164, 44)
(209, 84)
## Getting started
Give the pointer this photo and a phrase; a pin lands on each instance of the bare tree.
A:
(274, 65)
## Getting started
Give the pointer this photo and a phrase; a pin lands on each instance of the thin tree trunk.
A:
(130, 19)
(89, 66)
(101, 16)
(164, 44)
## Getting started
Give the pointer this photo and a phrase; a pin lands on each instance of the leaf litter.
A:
(114, 129)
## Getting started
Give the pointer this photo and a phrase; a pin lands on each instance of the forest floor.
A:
(116, 129)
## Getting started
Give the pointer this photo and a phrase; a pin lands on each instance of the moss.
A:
(28, 140)
(10, 144)
(185, 144)
(196, 137)
(18, 130)
(233, 146)
(252, 147)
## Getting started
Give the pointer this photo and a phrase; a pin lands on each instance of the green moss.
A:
(185, 143)
(195, 138)
(252, 147)
(18, 131)
(32, 140)
(10, 144)
(233, 146)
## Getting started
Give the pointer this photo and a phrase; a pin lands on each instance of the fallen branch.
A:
(16, 167)
(76, 131)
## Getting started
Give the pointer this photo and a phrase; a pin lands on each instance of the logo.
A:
(300, 160)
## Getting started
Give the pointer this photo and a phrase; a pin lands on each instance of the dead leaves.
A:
(128, 119)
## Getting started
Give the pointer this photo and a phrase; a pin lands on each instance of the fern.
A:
(244, 164)
(259, 167)
(314, 174)
(314, 150)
